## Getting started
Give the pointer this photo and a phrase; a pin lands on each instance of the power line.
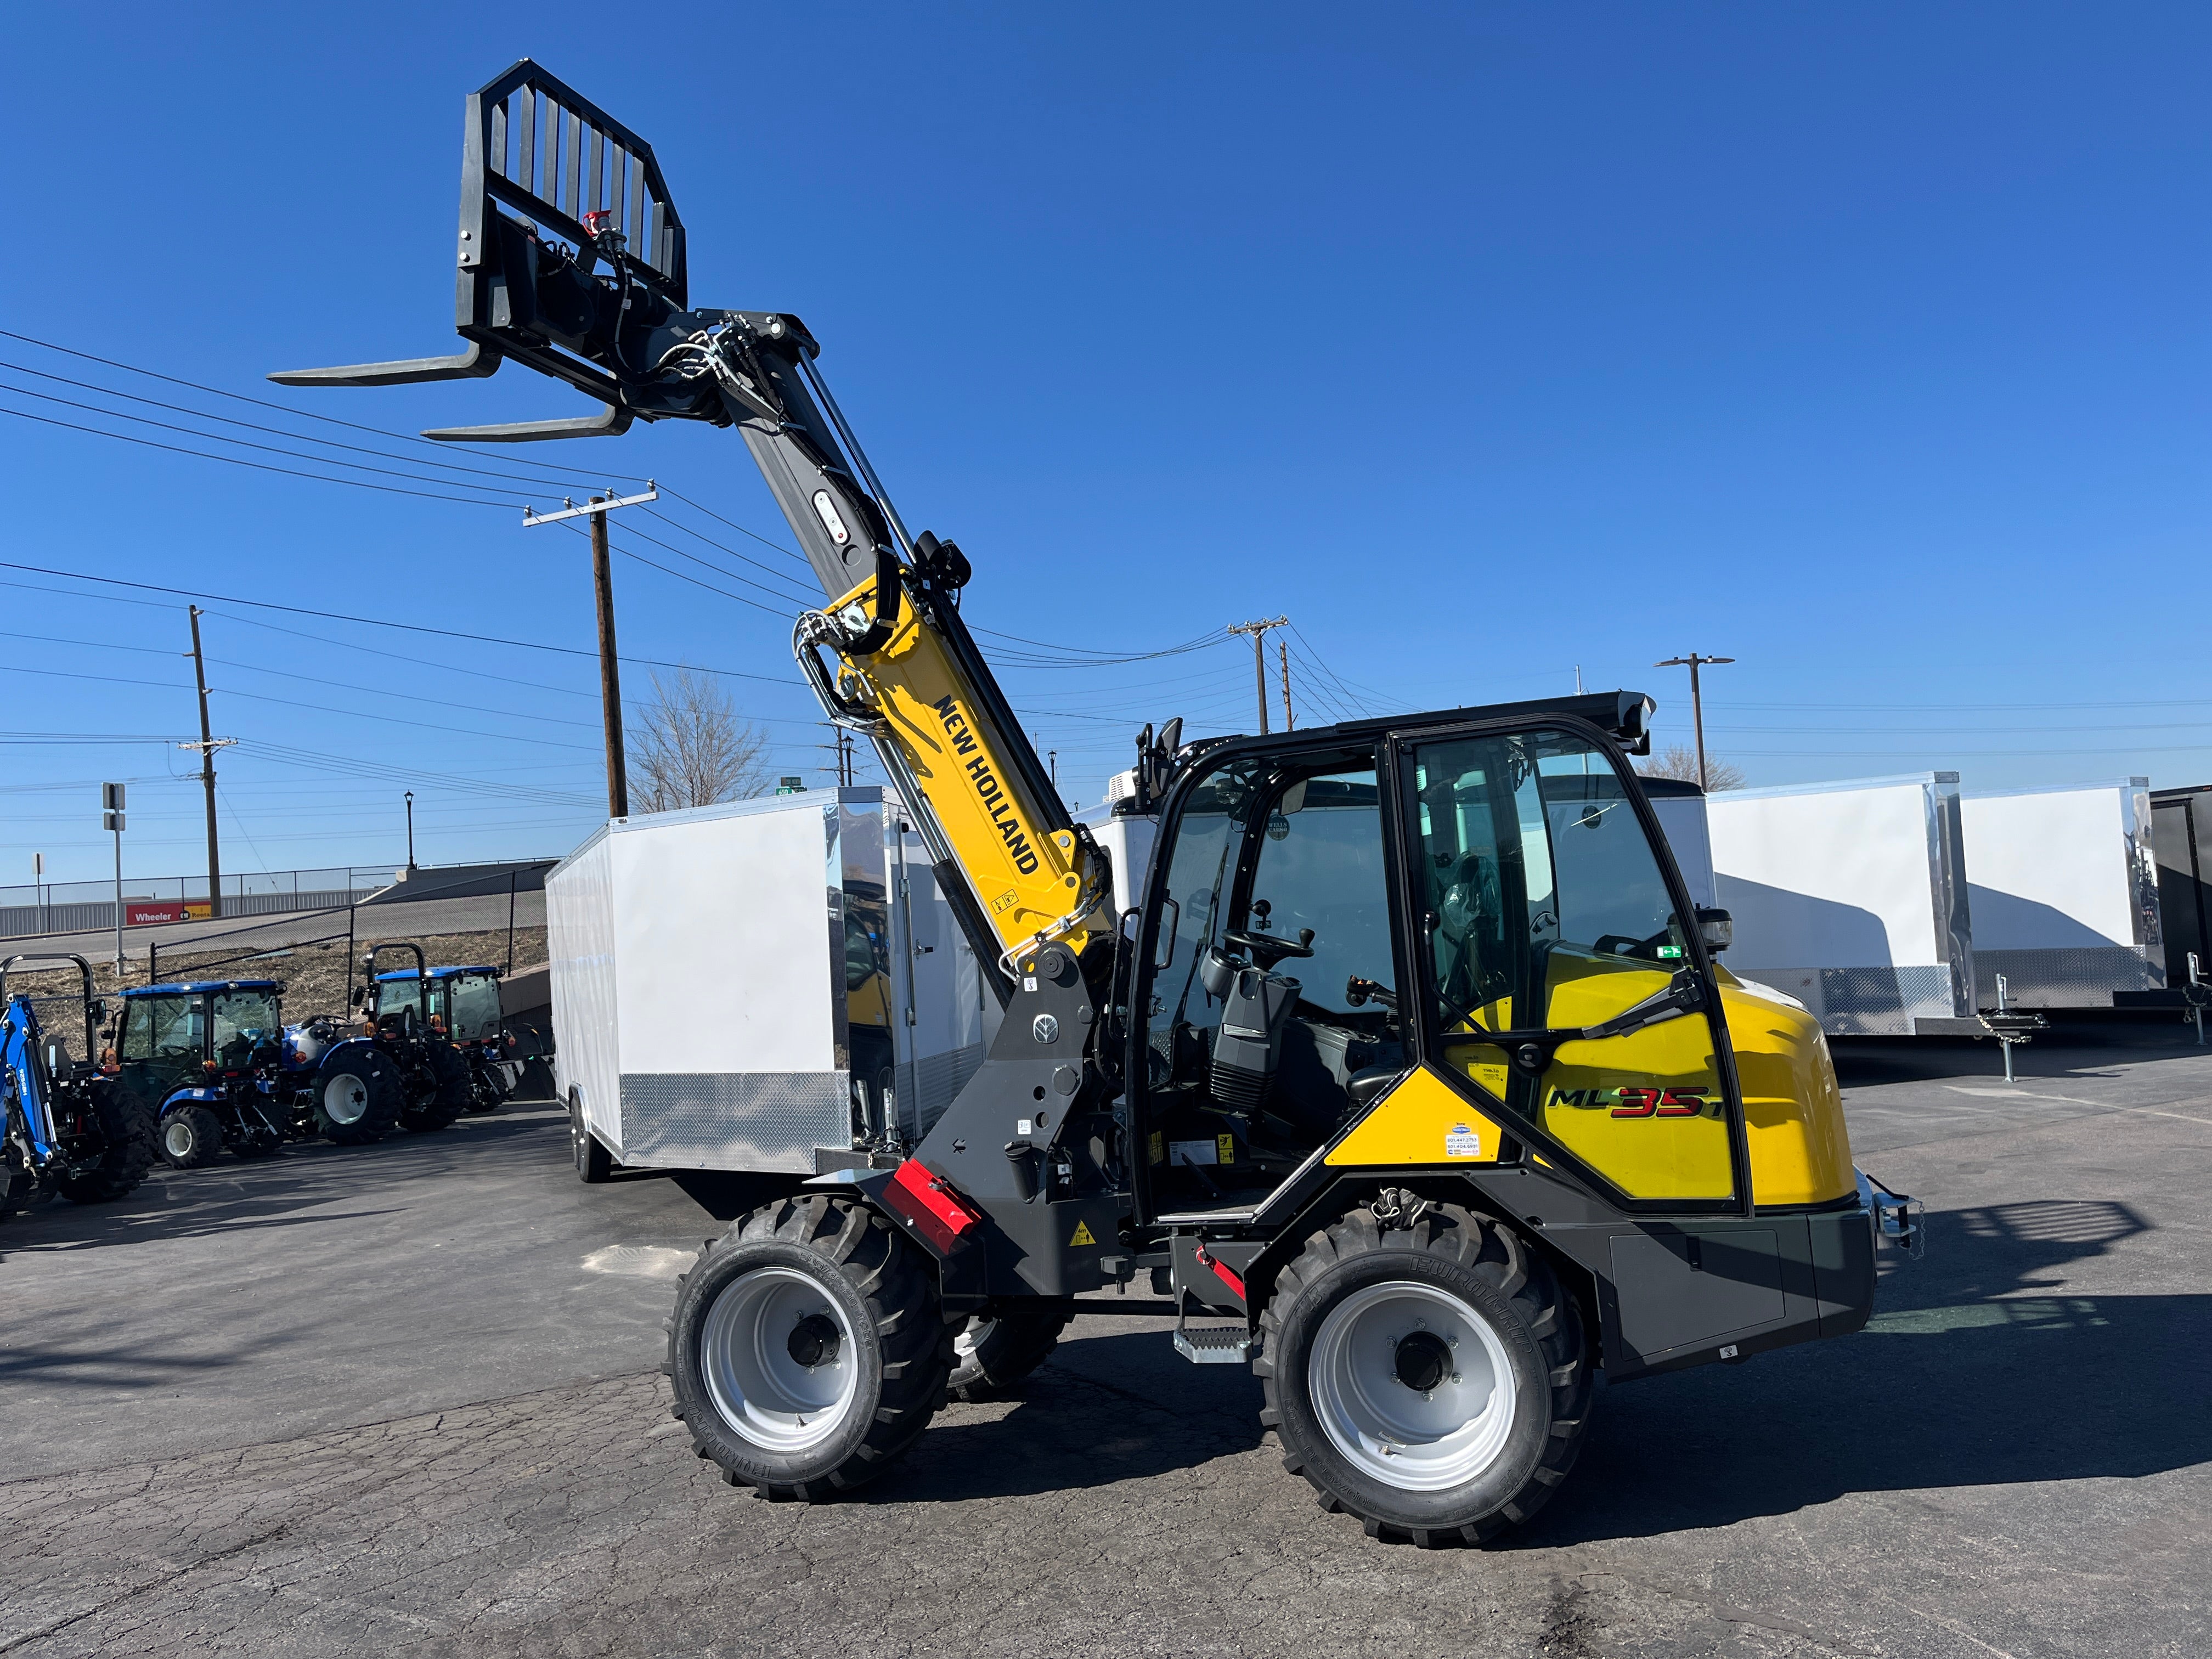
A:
(286, 409)
(375, 622)
(258, 466)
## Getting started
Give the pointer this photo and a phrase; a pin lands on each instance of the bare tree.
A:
(689, 748)
(1680, 762)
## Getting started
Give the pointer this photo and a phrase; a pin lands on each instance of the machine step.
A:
(1214, 1345)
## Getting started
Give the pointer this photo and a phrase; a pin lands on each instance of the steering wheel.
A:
(1268, 949)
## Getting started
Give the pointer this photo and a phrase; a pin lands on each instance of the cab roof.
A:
(437, 973)
(185, 987)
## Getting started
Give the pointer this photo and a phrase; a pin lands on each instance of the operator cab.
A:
(170, 1035)
(1273, 1014)
(462, 1003)
(1489, 902)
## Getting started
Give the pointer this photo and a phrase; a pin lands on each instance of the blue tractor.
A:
(69, 1127)
(458, 1007)
(409, 1013)
(224, 1072)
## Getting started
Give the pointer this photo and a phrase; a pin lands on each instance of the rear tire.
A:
(808, 1349)
(356, 1095)
(190, 1137)
(447, 1100)
(993, 1352)
(594, 1164)
(125, 1124)
(1432, 1379)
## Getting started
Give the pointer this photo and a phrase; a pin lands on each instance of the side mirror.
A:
(1717, 928)
(100, 1011)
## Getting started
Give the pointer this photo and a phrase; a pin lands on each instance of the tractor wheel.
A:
(1431, 1376)
(447, 1100)
(594, 1164)
(127, 1142)
(807, 1349)
(995, 1350)
(356, 1095)
(190, 1137)
(16, 1181)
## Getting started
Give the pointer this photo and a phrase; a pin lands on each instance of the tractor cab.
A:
(204, 1033)
(460, 1005)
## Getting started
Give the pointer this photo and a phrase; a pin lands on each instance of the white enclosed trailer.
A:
(768, 986)
(2064, 894)
(1852, 898)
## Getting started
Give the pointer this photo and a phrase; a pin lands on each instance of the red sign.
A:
(139, 913)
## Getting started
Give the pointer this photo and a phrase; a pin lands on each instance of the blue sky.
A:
(1867, 346)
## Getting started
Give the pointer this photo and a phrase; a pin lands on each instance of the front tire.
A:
(190, 1137)
(808, 1349)
(1432, 1378)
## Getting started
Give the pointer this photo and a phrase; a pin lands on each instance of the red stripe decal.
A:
(1207, 1258)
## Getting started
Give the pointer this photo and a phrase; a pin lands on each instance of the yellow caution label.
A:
(1081, 1234)
(1156, 1148)
(1224, 1148)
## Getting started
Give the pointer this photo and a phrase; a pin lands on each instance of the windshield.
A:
(394, 994)
(243, 1021)
(476, 1006)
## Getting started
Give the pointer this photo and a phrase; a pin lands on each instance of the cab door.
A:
(1563, 990)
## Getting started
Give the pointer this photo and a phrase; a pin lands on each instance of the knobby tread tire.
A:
(1517, 1272)
(897, 1289)
(381, 1116)
(1016, 1339)
(206, 1137)
(129, 1146)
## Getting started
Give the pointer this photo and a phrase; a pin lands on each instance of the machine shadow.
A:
(1072, 1428)
(1978, 1373)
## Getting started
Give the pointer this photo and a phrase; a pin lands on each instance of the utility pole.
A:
(1282, 653)
(207, 747)
(110, 819)
(1258, 630)
(603, 591)
(1696, 700)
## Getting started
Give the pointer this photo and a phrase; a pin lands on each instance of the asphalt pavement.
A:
(403, 1399)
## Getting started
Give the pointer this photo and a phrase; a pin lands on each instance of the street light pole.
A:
(1696, 700)
(410, 830)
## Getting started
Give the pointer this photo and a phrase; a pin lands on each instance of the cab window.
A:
(161, 1028)
(475, 999)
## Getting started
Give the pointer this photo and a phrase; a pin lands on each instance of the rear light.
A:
(209, 1067)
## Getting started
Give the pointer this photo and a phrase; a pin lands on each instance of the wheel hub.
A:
(813, 1341)
(1422, 1359)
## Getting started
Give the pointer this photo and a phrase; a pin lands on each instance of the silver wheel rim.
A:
(178, 1137)
(972, 1336)
(1404, 1438)
(345, 1099)
(764, 1394)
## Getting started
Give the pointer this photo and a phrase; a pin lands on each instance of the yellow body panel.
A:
(1420, 1119)
(1027, 879)
(1643, 1110)
(1793, 1113)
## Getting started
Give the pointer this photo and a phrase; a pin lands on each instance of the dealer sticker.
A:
(1460, 1141)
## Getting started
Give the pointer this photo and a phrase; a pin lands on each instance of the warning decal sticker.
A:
(1082, 1235)
(1460, 1141)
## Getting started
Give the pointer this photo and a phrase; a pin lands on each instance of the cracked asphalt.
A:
(403, 1399)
